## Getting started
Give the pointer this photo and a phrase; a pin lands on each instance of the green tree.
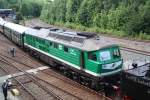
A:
(145, 14)
(101, 20)
(85, 12)
(130, 16)
(117, 18)
(59, 6)
(72, 8)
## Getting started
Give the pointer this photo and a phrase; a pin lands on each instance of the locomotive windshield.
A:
(110, 58)
(105, 55)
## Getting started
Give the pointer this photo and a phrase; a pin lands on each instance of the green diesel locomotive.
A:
(81, 55)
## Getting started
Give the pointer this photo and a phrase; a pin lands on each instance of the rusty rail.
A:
(146, 53)
(33, 77)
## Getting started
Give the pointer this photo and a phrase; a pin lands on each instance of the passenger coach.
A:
(14, 32)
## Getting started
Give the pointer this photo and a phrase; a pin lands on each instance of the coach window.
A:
(92, 56)
(65, 49)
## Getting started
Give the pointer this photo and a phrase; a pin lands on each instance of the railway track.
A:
(52, 73)
(20, 83)
(58, 76)
(146, 53)
(41, 80)
(35, 80)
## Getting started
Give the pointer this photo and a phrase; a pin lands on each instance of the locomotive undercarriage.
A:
(104, 84)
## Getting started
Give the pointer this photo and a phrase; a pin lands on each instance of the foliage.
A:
(117, 17)
(28, 7)
(31, 9)
(130, 16)
(72, 8)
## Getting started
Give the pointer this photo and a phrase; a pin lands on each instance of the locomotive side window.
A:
(116, 53)
(55, 45)
(92, 56)
(50, 43)
(65, 49)
(105, 55)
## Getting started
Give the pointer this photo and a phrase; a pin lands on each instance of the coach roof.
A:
(16, 27)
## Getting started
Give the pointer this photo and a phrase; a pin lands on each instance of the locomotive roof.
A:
(85, 43)
(16, 27)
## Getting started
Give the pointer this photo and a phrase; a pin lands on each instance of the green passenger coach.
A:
(78, 54)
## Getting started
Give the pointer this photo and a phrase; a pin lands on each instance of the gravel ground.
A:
(134, 56)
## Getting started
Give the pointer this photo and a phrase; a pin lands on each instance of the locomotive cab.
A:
(110, 59)
(104, 62)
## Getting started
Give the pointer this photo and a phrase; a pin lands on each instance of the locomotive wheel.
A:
(95, 85)
(75, 76)
(84, 81)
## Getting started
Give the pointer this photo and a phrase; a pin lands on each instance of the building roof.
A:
(16, 27)
(5, 9)
(83, 42)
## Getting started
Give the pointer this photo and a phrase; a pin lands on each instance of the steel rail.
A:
(33, 77)
(6, 71)
(135, 51)
(69, 81)
(94, 92)
(49, 83)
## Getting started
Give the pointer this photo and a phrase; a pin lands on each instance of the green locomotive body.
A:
(95, 60)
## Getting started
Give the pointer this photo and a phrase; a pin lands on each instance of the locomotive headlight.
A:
(112, 65)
